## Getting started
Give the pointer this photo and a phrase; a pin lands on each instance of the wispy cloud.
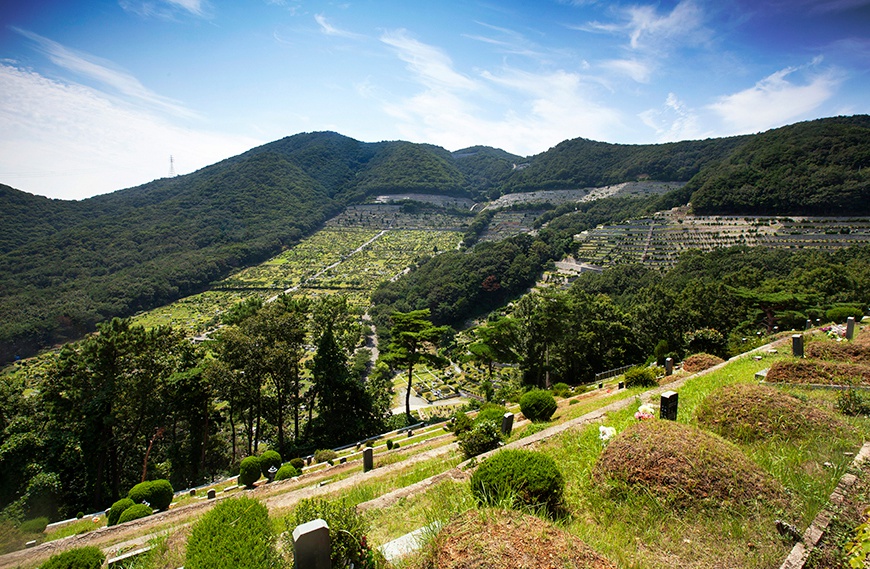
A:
(775, 100)
(57, 135)
(637, 70)
(104, 72)
(429, 64)
(674, 121)
(165, 9)
(646, 29)
(331, 30)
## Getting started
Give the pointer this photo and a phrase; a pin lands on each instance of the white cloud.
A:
(70, 141)
(102, 71)
(674, 121)
(165, 9)
(522, 112)
(774, 101)
(647, 29)
(429, 64)
(633, 68)
(331, 30)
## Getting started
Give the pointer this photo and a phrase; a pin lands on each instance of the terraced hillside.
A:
(659, 240)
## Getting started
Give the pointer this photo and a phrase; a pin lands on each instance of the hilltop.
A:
(66, 265)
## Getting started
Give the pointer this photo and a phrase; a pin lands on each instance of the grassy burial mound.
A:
(502, 539)
(700, 362)
(818, 372)
(857, 352)
(746, 413)
(683, 465)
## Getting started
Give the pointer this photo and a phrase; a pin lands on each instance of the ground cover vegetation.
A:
(67, 265)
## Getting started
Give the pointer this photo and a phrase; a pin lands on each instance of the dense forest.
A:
(64, 266)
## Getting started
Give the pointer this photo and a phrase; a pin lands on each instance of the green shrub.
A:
(519, 477)
(135, 512)
(286, 471)
(641, 377)
(840, 314)
(80, 558)
(461, 423)
(269, 459)
(561, 389)
(235, 533)
(325, 455)
(538, 405)
(297, 463)
(490, 412)
(481, 438)
(36, 525)
(249, 471)
(347, 529)
(705, 340)
(117, 509)
(853, 403)
(389, 444)
(157, 493)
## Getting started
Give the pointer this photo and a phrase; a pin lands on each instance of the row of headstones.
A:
(797, 340)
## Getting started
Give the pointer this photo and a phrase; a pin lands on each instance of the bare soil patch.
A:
(851, 352)
(506, 539)
(818, 372)
(749, 412)
(683, 465)
(700, 362)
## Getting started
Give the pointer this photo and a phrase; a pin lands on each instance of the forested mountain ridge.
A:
(66, 265)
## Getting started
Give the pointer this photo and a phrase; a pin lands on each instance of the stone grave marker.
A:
(797, 345)
(620, 385)
(368, 459)
(668, 406)
(850, 327)
(669, 366)
(507, 424)
(311, 546)
(211, 494)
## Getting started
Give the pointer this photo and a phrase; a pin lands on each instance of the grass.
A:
(78, 527)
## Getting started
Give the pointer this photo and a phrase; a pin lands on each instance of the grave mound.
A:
(700, 362)
(749, 412)
(683, 465)
(503, 539)
(851, 352)
(818, 372)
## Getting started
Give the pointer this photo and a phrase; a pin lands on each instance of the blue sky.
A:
(96, 95)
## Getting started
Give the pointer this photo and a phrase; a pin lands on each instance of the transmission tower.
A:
(171, 166)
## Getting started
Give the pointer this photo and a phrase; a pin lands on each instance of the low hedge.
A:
(89, 557)
(135, 512)
(519, 477)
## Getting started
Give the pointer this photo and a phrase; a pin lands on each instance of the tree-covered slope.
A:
(820, 167)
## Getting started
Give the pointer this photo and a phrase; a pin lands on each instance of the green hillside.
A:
(65, 265)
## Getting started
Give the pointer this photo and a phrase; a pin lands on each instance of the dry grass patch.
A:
(683, 465)
(857, 352)
(818, 372)
(700, 362)
(749, 412)
(506, 539)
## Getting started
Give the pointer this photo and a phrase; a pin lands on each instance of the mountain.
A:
(65, 265)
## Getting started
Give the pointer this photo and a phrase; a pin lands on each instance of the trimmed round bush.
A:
(269, 459)
(158, 493)
(561, 389)
(80, 558)
(286, 471)
(135, 512)
(235, 533)
(249, 471)
(538, 405)
(483, 437)
(297, 463)
(840, 314)
(641, 377)
(325, 455)
(519, 477)
(36, 525)
(117, 509)
(490, 412)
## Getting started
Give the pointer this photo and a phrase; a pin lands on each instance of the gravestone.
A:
(669, 366)
(410, 433)
(211, 494)
(668, 405)
(342, 460)
(809, 324)
(797, 345)
(850, 327)
(620, 385)
(311, 546)
(600, 386)
(507, 424)
(193, 491)
(368, 459)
